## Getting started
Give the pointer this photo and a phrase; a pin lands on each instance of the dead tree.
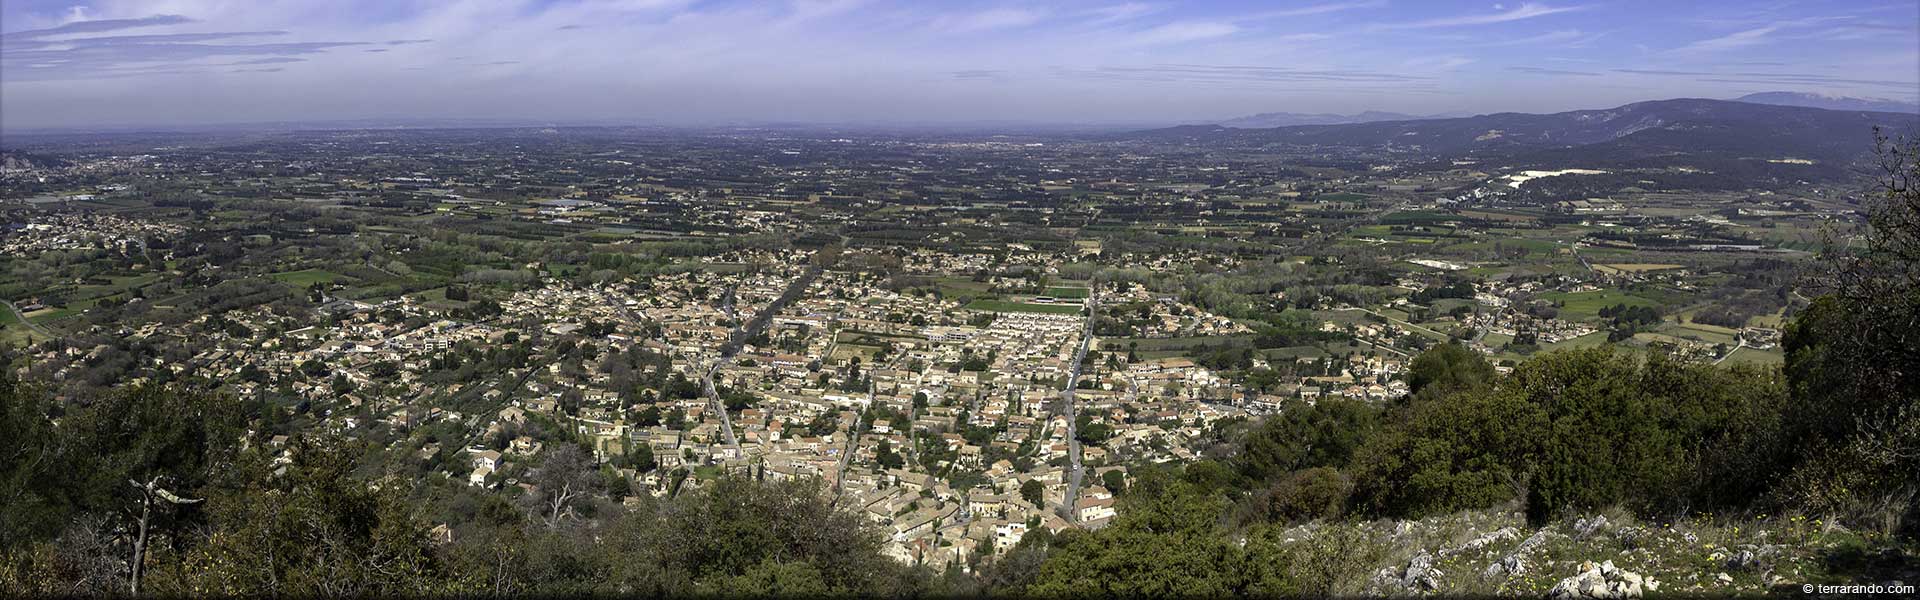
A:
(150, 493)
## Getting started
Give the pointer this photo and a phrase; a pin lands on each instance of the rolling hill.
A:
(1288, 119)
(1656, 133)
(1829, 102)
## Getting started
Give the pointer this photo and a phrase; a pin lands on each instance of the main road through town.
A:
(1076, 471)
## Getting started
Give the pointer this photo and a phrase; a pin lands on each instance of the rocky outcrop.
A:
(1418, 576)
(1479, 543)
(1602, 581)
(1586, 527)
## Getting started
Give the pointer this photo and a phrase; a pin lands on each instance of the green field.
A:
(305, 277)
(1342, 197)
(1754, 356)
(1004, 306)
(1417, 217)
(1067, 293)
(1701, 332)
(1586, 341)
(962, 289)
(1175, 343)
(12, 331)
(1586, 305)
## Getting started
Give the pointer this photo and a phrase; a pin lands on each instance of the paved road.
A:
(1076, 472)
(846, 455)
(22, 316)
(1393, 320)
(738, 339)
(1742, 344)
(1575, 248)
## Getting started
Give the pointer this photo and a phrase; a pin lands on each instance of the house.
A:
(478, 478)
(1091, 510)
(1007, 535)
(487, 459)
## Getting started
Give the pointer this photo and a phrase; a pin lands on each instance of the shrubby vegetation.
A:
(312, 523)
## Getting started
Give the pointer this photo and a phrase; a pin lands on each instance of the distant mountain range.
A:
(1720, 136)
(1829, 102)
(1681, 125)
(1287, 119)
(1802, 99)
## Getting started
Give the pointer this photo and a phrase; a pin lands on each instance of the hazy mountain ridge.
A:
(1288, 119)
(1811, 100)
(22, 161)
(1692, 127)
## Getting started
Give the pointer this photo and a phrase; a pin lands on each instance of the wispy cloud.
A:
(1564, 38)
(987, 20)
(1731, 41)
(99, 26)
(1174, 33)
(1242, 73)
(1547, 71)
(1316, 9)
(978, 74)
(1811, 79)
(1438, 63)
(73, 51)
(1663, 72)
(1120, 12)
(276, 60)
(11, 44)
(1522, 12)
(1772, 78)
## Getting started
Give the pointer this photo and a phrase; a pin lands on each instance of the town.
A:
(961, 369)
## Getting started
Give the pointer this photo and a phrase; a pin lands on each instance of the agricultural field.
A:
(306, 277)
(1754, 356)
(1004, 306)
(1577, 306)
(1635, 268)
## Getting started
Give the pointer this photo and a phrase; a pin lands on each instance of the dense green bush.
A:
(1317, 493)
(1305, 436)
(1166, 542)
(1580, 430)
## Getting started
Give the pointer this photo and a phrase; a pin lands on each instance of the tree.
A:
(771, 578)
(1578, 430)
(1034, 492)
(1457, 451)
(1165, 542)
(1304, 436)
(30, 468)
(648, 417)
(314, 530)
(726, 534)
(1115, 481)
(150, 494)
(565, 478)
(887, 458)
(1853, 360)
(1446, 368)
(1317, 493)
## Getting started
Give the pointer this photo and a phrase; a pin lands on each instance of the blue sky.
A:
(67, 63)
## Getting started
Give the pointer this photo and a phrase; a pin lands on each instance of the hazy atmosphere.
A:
(175, 62)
